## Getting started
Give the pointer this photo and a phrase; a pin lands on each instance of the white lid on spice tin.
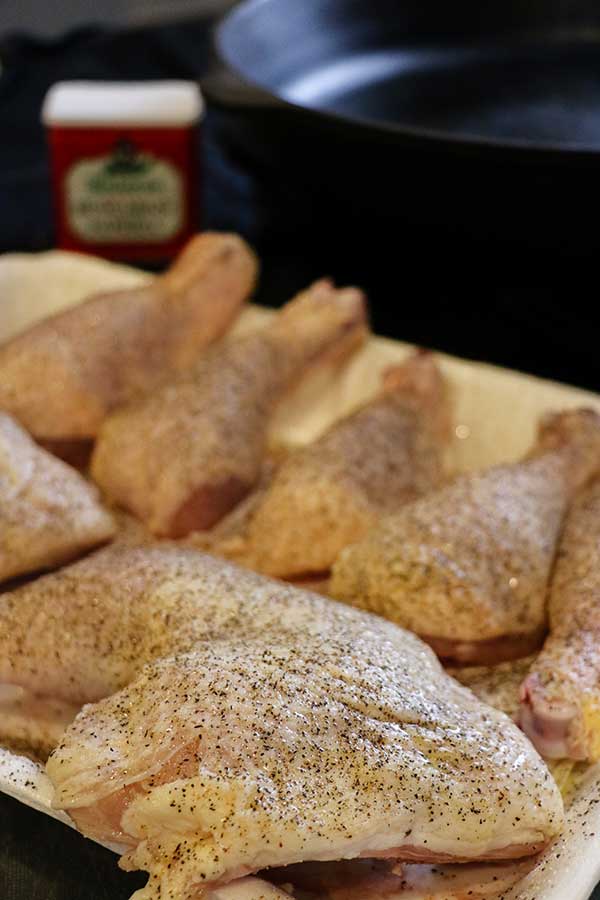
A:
(98, 103)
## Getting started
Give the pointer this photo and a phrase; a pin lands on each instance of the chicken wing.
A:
(259, 725)
(183, 457)
(65, 374)
(467, 567)
(49, 514)
(560, 698)
(330, 493)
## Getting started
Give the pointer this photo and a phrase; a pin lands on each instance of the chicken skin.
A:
(467, 567)
(63, 376)
(184, 456)
(330, 493)
(241, 755)
(49, 514)
(560, 698)
(259, 725)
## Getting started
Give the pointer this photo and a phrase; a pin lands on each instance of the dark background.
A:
(521, 307)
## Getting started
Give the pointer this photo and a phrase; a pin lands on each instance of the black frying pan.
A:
(483, 116)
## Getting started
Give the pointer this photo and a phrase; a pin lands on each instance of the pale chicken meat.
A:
(560, 697)
(49, 514)
(258, 725)
(183, 457)
(467, 567)
(63, 375)
(330, 493)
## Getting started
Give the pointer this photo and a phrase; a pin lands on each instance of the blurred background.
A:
(53, 19)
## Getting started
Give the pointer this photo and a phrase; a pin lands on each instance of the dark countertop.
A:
(42, 859)
(529, 310)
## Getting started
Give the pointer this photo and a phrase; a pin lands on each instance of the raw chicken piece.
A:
(103, 618)
(268, 726)
(183, 457)
(65, 374)
(560, 698)
(244, 754)
(467, 567)
(330, 493)
(49, 514)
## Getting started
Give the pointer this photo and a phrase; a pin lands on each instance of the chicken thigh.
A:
(256, 725)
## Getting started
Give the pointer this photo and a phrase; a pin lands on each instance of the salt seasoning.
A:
(124, 166)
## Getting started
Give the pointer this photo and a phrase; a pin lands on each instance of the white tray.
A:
(497, 411)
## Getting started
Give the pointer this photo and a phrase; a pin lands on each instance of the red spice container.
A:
(124, 166)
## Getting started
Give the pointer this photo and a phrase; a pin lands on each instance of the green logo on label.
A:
(128, 196)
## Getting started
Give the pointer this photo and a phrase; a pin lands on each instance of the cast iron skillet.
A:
(480, 115)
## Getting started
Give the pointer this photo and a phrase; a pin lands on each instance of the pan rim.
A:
(432, 139)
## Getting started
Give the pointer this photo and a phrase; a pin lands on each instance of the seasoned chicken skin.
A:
(49, 514)
(184, 456)
(560, 698)
(330, 493)
(241, 755)
(124, 606)
(467, 567)
(62, 377)
(260, 725)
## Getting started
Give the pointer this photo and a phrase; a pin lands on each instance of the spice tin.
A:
(124, 166)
